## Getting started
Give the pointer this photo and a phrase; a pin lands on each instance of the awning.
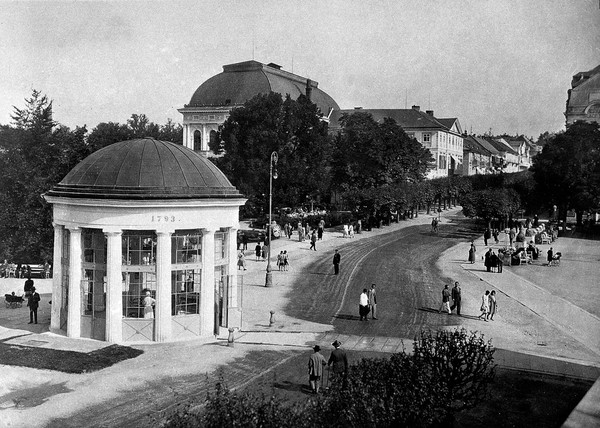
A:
(456, 160)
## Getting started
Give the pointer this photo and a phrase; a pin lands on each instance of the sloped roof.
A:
(242, 81)
(500, 146)
(488, 146)
(145, 169)
(408, 119)
(470, 144)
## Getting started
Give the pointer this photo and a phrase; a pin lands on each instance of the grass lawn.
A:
(64, 361)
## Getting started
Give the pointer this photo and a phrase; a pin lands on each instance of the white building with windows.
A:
(211, 103)
(443, 137)
(144, 216)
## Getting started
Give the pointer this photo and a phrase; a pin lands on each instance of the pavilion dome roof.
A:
(145, 169)
(242, 81)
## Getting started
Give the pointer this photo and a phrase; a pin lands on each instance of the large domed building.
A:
(145, 240)
(210, 105)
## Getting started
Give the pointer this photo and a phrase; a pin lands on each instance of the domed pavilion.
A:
(145, 240)
(210, 105)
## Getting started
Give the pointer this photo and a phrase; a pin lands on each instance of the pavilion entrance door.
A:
(93, 285)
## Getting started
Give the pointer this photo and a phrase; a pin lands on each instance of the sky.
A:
(503, 65)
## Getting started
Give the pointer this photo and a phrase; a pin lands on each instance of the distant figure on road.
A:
(445, 300)
(456, 298)
(286, 261)
(511, 235)
(351, 230)
(472, 251)
(487, 261)
(363, 305)
(373, 301)
(336, 262)
(33, 301)
(316, 362)
(321, 229)
(258, 251)
(550, 255)
(485, 306)
(487, 234)
(241, 260)
(339, 361)
(313, 241)
(492, 305)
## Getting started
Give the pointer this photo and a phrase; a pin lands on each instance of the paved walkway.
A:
(533, 330)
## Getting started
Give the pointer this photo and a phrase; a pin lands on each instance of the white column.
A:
(56, 278)
(207, 290)
(74, 306)
(205, 138)
(162, 323)
(233, 311)
(114, 288)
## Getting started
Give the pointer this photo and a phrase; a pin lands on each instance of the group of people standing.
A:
(367, 303)
(492, 261)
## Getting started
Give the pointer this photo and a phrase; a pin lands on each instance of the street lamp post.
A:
(272, 175)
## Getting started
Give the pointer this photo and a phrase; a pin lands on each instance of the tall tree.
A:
(567, 171)
(35, 153)
(266, 124)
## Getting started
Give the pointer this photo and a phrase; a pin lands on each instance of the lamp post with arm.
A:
(272, 175)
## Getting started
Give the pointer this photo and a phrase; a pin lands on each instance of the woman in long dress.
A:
(492, 304)
(485, 306)
(472, 252)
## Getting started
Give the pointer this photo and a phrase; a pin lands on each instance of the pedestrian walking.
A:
(316, 362)
(500, 264)
(487, 234)
(373, 302)
(456, 298)
(264, 251)
(244, 242)
(550, 255)
(336, 262)
(495, 234)
(280, 260)
(286, 262)
(485, 306)
(286, 229)
(493, 261)
(351, 230)
(472, 251)
(363, 305)
(338, 361)
(345, 230)
(445, 300)
(258, 251)
(492, 305)
(33, 301)
(313, 241)
(321, 229)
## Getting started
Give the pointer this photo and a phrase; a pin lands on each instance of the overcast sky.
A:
(504, 64)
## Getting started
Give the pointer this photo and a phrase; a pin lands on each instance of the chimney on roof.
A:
(429, 112)
(417, 108)
(308, 89)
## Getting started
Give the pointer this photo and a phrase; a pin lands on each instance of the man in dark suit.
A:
(339, 361)
(336, 262)
(456, 298)
(33, 302)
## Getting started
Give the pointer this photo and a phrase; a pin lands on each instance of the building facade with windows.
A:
(144, 217)
(583, 99)
(443, 137)
(211, 103)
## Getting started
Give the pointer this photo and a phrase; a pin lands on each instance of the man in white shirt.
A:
(363, 305)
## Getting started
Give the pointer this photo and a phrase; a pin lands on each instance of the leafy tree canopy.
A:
(567, 171)
(265, 124)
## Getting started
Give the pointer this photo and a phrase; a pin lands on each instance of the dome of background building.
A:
(242, 81)
(145, 169)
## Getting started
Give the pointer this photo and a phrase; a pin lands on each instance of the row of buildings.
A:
(455, 152)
